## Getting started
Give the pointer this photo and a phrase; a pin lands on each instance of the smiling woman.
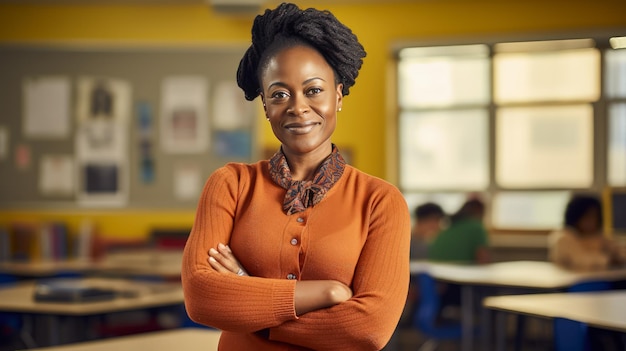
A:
(301, 251)
(300, 99)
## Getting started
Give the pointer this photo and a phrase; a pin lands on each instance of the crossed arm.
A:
(310, 295)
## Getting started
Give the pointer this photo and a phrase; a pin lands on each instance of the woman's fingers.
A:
(223, 260)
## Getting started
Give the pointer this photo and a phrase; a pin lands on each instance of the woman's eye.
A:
(314, 91)
(279, 95)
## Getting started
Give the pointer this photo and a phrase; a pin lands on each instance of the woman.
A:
(581, 245)
(301, 251)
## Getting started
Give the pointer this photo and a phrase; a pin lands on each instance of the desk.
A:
(164, 264)
(19, 298)
(190, 339)
(42, 269)
(605, 310)
(539, 276)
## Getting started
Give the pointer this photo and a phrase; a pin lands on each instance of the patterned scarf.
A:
(304, 193)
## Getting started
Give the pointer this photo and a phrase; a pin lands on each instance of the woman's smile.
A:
(301, 128)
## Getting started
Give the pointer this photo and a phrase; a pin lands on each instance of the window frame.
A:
(599, 108)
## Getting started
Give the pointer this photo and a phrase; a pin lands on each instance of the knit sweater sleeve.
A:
(380, 287)
(227, 301)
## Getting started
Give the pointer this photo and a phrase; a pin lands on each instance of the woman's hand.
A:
(313, 295)
(223, 261)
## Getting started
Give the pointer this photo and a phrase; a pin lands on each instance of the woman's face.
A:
(589, 223)
(301, 100)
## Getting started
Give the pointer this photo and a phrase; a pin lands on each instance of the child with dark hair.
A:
(428, 222)
(581, 244)
(302, 251)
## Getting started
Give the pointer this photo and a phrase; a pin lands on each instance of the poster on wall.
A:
(103, 111)
(184, 114)
(22, 157)
(187, 181)
(145, 136)
(46, 106)
(56, 175)
(4, 142)
(233, 144)
(231, 110)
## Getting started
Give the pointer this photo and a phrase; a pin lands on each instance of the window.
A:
(615, 74)
(444, 96)
(516, 122)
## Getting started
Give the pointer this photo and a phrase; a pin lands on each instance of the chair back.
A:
(10, 323)
(427, 314)
(570, 335)
(598, 285)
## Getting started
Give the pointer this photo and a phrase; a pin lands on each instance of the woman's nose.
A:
(298, 105)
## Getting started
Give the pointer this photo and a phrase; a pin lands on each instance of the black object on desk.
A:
(70, 291)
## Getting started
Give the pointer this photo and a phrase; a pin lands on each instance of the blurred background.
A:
(113, 113)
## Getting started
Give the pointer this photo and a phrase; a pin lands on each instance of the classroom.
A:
(113, 115)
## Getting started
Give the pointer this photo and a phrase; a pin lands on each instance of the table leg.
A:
(486, 325)
(54, 330)
(26, 331)
(467, 314)
(500, 331)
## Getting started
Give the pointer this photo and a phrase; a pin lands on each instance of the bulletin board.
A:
(182, 117)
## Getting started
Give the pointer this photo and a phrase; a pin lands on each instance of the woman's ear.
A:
(339, 96)
(264, 107)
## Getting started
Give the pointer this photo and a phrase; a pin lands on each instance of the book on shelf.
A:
(38, 242)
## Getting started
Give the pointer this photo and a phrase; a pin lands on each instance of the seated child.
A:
(581, 245)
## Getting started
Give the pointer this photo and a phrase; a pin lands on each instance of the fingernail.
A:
(212, 251)
(221, 246)
(212, 259)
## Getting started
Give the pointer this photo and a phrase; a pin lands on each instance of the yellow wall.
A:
(364, 121)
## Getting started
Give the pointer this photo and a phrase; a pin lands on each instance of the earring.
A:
(339, 109)
(267, 118)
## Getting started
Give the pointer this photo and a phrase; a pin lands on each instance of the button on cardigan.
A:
(358, 234)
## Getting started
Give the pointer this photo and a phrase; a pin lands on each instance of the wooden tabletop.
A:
(189, 339)
(135, 295)
(522, 274)
(162, 263)
(47, 268)
(598, 309)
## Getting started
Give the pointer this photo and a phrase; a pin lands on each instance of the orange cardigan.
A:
(358, 234)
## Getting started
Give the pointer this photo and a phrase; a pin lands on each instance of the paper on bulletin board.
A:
(233, 144)
(23, 156)
(102, 141)
(230, 109)
(56, 175)
(184, 114)
(102, 184)
(187, 181)
(46, 107)
(4, 143)
(103, 98)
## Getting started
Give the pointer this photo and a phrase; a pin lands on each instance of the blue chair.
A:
(598, 285)
(427, 315)
(588, 286)
(11, 325)
(570, 335)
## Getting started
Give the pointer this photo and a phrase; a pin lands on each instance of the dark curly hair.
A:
(578, 206)
(288, 26)
(428, 209)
